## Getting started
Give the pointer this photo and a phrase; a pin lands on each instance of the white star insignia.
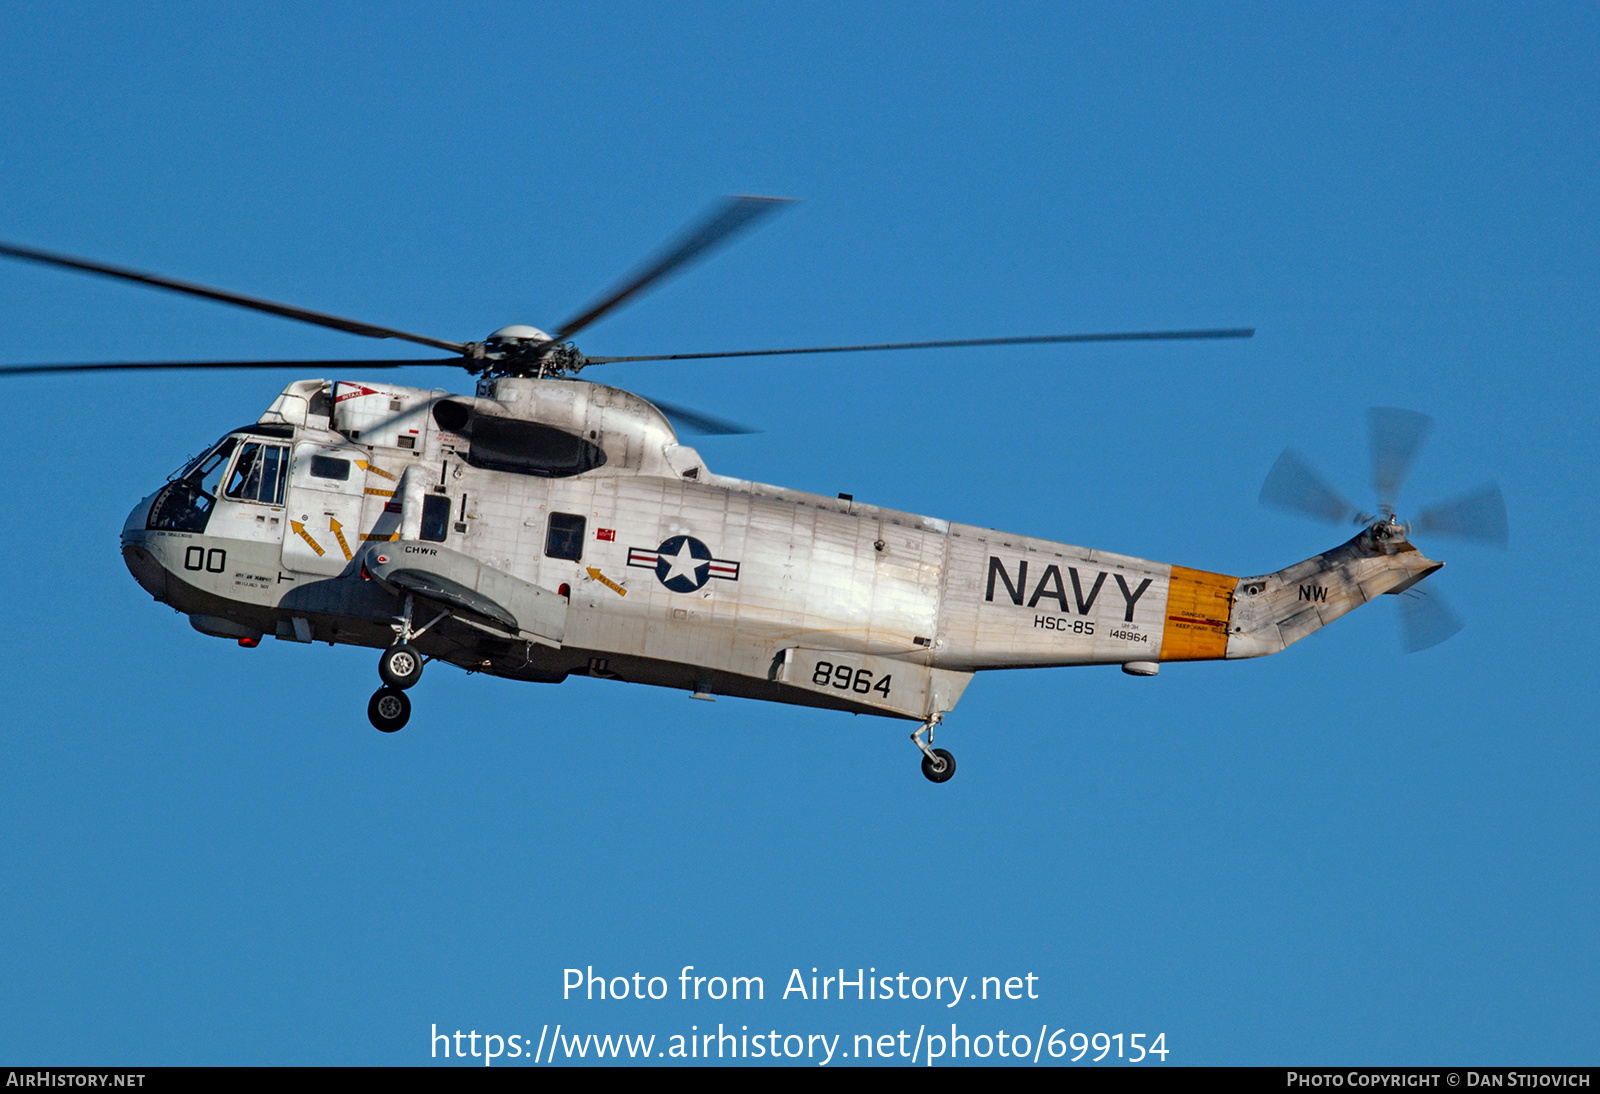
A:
(684, 564)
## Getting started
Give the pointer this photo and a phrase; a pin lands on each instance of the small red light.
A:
(249, 643)
(565, 590)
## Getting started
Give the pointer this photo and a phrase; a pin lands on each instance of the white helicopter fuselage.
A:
(554, 526)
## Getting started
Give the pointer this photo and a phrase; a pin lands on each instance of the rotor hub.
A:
(517, 334)
(521, 350)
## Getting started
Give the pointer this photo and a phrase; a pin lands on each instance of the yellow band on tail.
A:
(1199, 606)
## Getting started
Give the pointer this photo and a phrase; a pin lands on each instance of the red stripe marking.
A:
(1202, 622)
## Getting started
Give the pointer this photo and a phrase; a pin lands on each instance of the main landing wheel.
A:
(940, 766)
(390, 709)
(400, 666)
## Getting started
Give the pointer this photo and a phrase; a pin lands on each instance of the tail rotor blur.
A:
(1425, 619)
(1396, 436)
(1293, 484)
(1479, 515)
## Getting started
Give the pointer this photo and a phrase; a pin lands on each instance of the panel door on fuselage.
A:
(326, 489)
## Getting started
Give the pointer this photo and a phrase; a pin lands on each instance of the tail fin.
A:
(1274, 610)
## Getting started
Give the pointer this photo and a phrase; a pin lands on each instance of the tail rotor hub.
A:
(1390, 532)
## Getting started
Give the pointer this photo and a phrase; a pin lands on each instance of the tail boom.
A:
(1273, 611)
(1020, 603)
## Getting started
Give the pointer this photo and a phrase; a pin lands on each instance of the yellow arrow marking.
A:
(607, 582)
(300, 530)
(338, 534)
(365, 466)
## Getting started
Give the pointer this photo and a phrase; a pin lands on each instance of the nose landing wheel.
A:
(389, 709)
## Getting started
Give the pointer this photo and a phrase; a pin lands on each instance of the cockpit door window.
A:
(259, 473)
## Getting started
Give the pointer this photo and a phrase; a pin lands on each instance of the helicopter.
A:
(547, 525)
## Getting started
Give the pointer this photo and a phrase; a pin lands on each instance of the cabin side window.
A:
(330, 467)
(435, 517)
(565, 538)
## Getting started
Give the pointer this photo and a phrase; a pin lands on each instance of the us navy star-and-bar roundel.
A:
(683, 564)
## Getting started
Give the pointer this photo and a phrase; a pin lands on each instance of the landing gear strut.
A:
(401, 664)
(937, 763)
(400, 667)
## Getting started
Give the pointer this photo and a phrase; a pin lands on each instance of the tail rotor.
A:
(1396, 437)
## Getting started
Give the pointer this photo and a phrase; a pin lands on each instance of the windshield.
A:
(185, 504)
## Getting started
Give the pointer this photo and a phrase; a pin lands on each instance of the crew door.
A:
(326, 489)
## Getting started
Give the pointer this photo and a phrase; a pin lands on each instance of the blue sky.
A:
(1338, 854)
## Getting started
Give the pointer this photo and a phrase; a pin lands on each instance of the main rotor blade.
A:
(725, 220)
(695, 421)
(170, 366)
(1293, 484)
(321, 319)
(1396, 436)
(1425, 619)
(1479, 515)
(1030, 340)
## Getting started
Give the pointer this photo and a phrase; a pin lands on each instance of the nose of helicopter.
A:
(141, 563)
(133, 528)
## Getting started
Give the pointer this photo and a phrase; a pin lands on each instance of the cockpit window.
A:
(185, 504)
(259, 473)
